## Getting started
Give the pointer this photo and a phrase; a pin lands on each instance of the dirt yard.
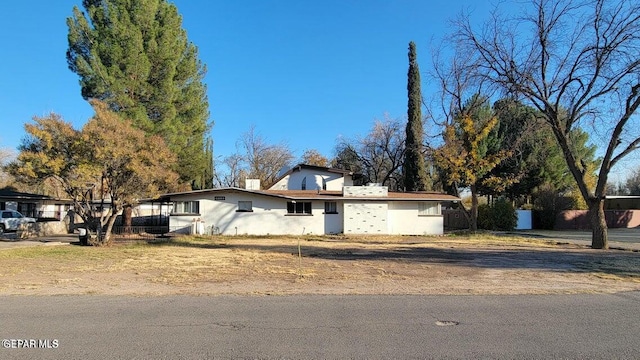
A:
(325, 265)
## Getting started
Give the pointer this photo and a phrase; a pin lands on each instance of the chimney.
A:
(252, 184)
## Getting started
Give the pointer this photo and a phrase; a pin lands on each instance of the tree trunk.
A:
(107, 233)
(473, 224)
(126, 218)
(599, 236)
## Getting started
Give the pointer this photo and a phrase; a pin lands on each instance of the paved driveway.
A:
(618, 238)
(11, 240)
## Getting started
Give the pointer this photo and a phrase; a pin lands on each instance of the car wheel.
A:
(1, 229)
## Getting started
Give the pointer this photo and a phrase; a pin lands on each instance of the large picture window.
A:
(429, 208)
(297, 207)
(186, 207)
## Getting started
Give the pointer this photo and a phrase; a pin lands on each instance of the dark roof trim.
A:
(10, 194)
(314, 195)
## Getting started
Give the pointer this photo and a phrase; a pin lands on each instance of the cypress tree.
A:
(415, 176)
(135, 57)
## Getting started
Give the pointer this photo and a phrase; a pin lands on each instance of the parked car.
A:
(10, 220)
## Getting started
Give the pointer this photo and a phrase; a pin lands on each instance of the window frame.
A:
(184, 209)
(299, 208)
(426, 208)
(245, 208)
(329, 211)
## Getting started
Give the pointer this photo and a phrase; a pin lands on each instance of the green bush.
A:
(485, 218)
(499, 216)
(505, 215)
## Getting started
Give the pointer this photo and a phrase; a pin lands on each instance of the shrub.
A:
(499, 216)
(504, 214)
(485, 217)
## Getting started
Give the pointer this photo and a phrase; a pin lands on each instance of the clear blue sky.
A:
(302, 72)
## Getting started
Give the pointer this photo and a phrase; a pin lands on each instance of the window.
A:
(27, 209)
(186, 207)
(429, 208)
(294, 207)
(330, 207)
(245, 206)
(324, 184)
(303, 186)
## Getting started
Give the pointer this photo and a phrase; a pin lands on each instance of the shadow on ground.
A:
(561, 259)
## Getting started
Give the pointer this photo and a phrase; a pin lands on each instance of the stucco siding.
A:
(269, 216)
(404, 220)
(334, 223)
(293, 181)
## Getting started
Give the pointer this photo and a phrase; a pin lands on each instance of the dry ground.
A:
(480, 264)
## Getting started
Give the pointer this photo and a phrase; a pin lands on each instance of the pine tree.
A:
(415, 176)
(136, 57)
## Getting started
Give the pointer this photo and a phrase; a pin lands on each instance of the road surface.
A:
(317, 327)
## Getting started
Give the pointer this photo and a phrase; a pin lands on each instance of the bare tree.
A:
(5, 156)
(235, 173)
(632, 184)
(378, 156)
(255, 158)
(578, 63)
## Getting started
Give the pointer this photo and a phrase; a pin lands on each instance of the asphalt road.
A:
(315, 327)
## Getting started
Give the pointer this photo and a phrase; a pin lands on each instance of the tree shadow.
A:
(621, 263)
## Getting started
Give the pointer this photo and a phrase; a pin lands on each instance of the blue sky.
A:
(303, 72)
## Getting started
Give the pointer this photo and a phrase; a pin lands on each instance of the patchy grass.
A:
(456, 264)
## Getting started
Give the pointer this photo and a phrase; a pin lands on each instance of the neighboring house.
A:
(307, 200)
(34, 205)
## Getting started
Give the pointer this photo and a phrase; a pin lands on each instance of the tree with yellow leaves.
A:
(108, 156)
(463, 158)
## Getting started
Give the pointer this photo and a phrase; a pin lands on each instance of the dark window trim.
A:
(293, 207)
(245, 210)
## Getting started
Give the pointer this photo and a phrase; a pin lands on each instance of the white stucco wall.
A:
(404, 220)
(293, 181)
(269, 216)
(365, 217)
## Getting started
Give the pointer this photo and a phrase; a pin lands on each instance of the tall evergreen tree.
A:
(135, 56)
(415, 175)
